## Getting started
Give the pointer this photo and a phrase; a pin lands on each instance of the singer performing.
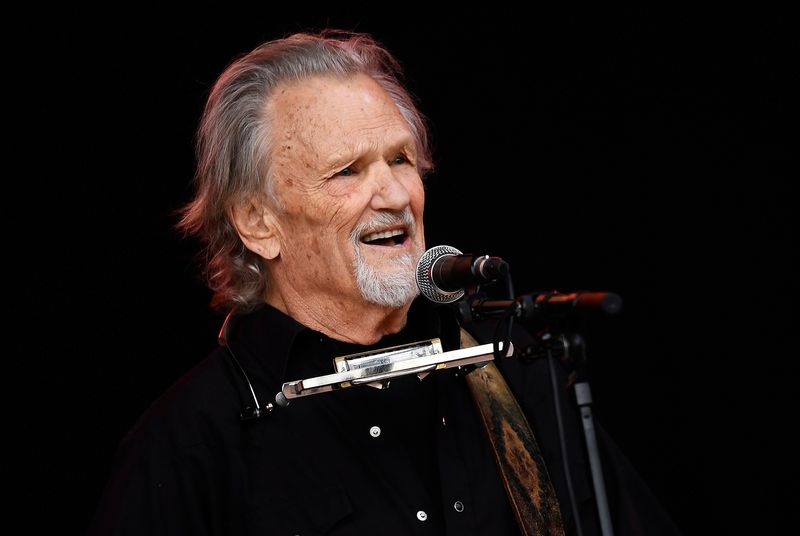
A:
(309, 199)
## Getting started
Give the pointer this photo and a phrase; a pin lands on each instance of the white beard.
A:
(394, 289)
(397, 287)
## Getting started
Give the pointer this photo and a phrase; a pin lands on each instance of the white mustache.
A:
(385, 219)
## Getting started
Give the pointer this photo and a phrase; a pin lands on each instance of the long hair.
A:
(234, 145)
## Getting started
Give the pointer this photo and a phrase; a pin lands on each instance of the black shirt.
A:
(410, 459)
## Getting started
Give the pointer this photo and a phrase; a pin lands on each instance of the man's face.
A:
(351, 198)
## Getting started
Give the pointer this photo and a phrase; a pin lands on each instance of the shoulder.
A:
(201, 407)
(529, 375)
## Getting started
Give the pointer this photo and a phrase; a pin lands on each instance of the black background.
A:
(644, 152)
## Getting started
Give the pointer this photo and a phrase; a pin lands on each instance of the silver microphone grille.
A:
(425, 282)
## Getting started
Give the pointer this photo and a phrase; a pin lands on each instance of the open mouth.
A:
(390, 238)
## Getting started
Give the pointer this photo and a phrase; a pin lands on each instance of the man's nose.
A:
(389, 191)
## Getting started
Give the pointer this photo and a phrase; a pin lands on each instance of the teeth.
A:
(381, 235)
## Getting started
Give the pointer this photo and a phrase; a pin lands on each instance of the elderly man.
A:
(311, 157)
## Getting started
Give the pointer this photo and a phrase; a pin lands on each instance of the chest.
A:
(405, 460)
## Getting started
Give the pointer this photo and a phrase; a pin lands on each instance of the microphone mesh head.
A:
(425, 279)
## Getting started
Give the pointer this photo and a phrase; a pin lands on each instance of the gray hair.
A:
(234, 143)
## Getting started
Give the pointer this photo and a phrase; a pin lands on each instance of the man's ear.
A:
(257, 227)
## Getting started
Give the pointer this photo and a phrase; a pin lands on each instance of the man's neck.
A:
(359, 322)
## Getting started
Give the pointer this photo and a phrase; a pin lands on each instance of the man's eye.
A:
(399, 159)
(346, 172)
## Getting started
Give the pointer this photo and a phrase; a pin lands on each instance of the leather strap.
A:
(519, 461)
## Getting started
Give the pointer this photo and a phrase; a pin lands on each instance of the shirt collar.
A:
(266, 336)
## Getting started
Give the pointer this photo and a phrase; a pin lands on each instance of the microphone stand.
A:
(552, 306)
(583, 397)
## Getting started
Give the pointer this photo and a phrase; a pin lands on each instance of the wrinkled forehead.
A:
(323, 114)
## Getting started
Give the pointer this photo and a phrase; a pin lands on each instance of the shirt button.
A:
(421, 515)
(375, 431)
(459, 506)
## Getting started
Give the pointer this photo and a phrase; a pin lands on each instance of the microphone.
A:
(555, 304)
(443, 272)
(548, 306)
